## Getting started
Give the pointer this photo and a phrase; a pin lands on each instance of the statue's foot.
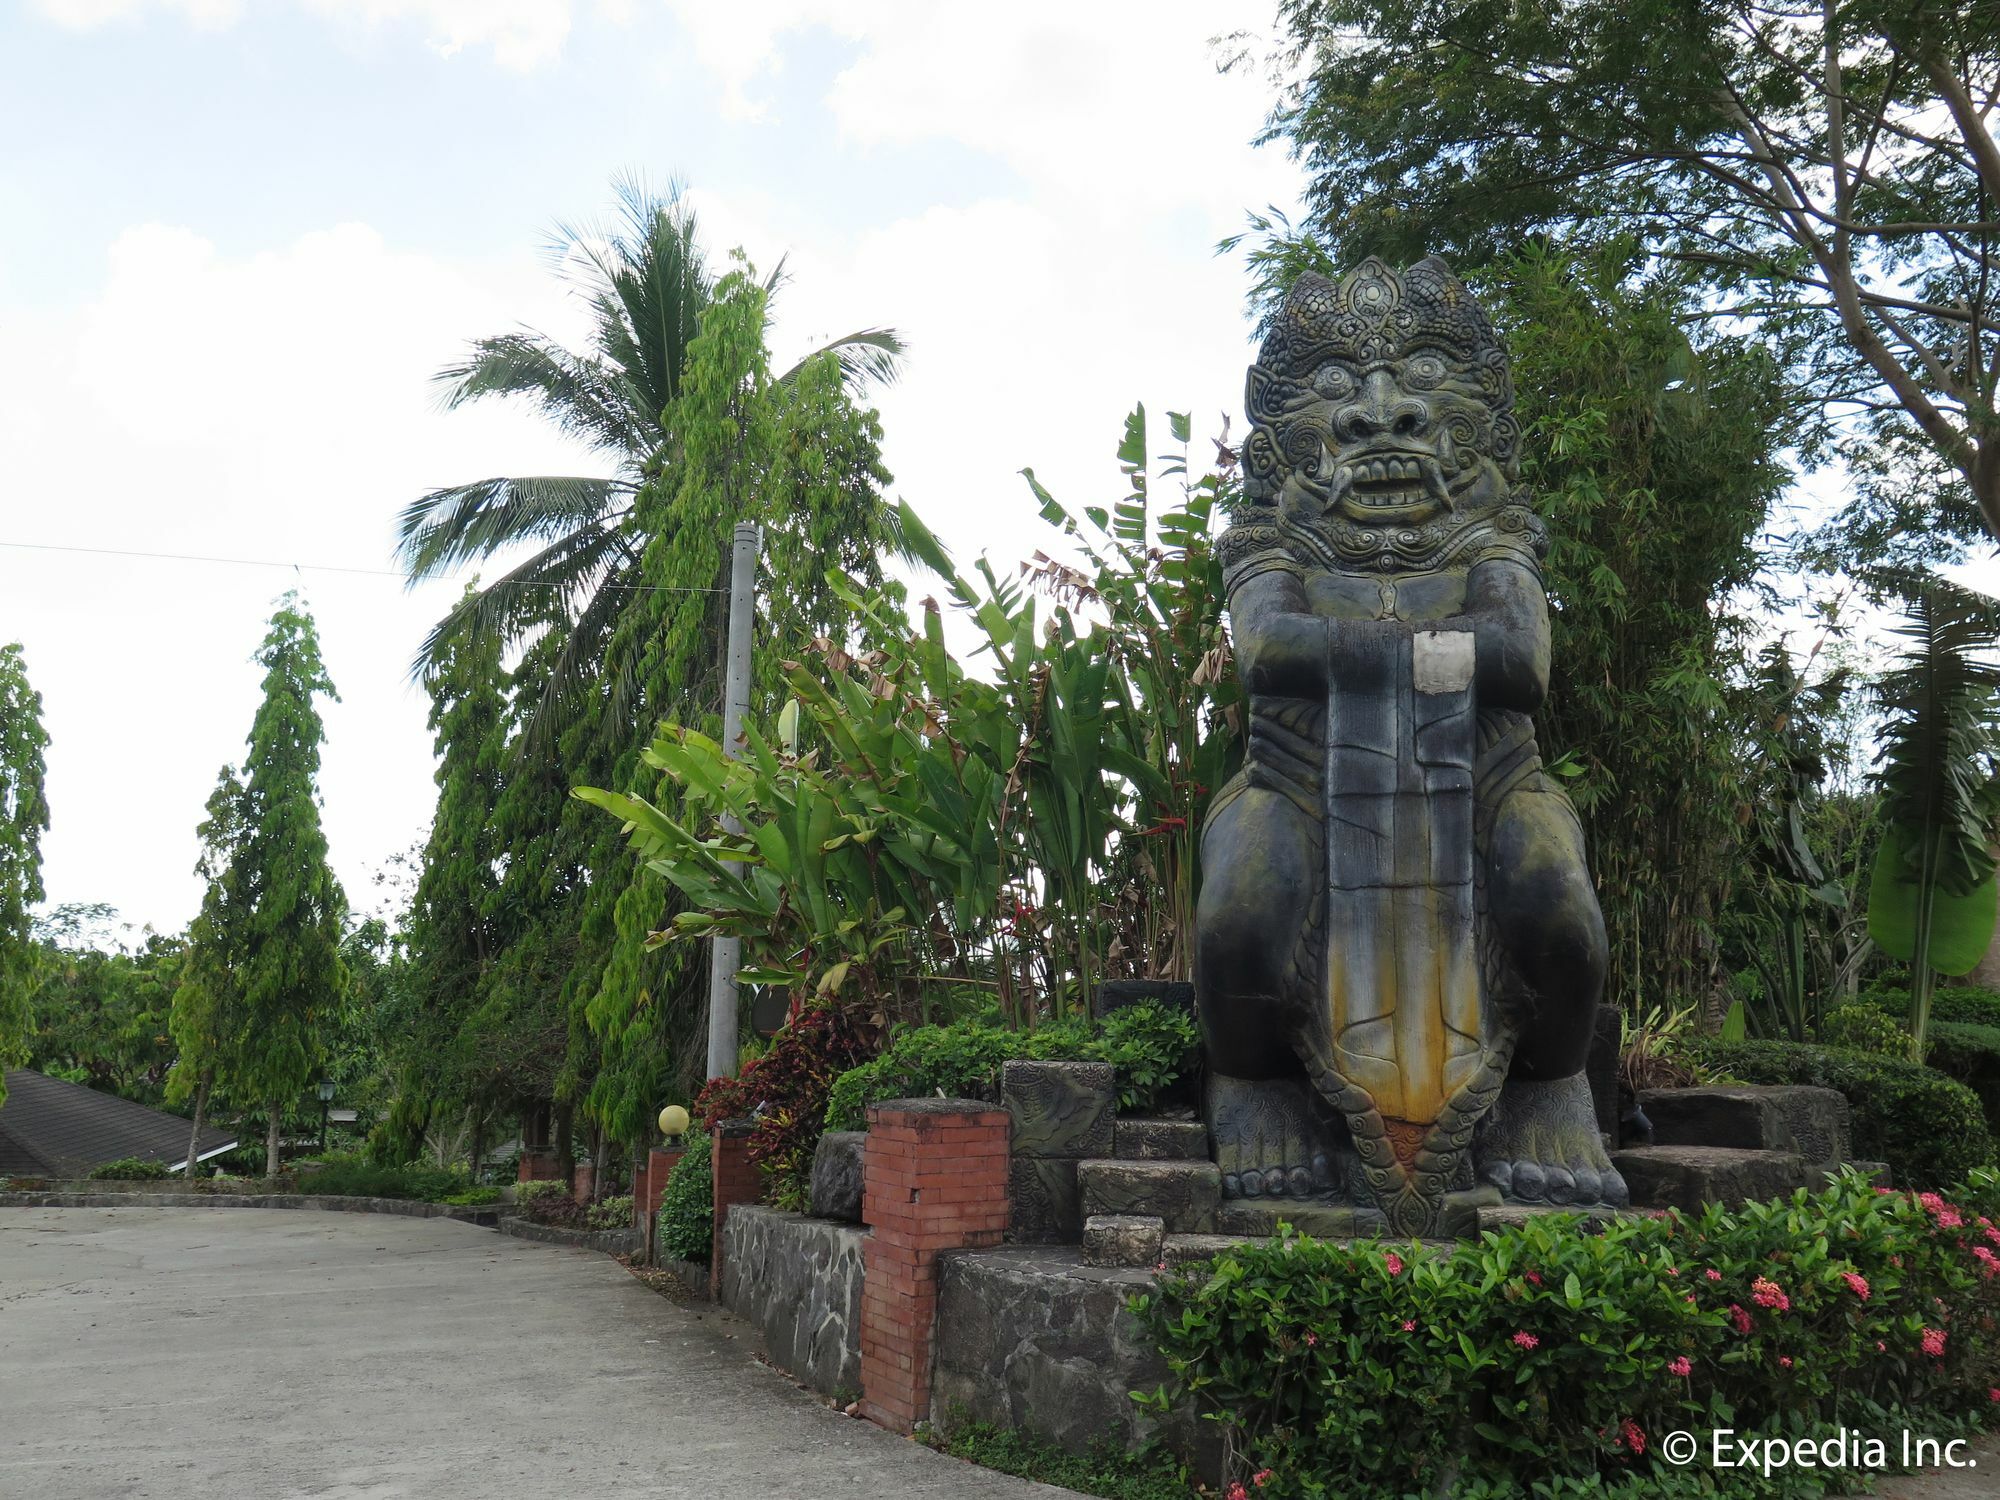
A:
(1270, 1139)
(1540, 1146)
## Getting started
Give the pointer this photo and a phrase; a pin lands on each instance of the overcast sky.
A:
(242, 234)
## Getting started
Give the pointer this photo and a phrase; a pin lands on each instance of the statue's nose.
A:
(1381, 406)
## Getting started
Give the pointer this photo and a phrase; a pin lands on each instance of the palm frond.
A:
(581, 396)
(549, 589)
(465, 522)
(867, 356)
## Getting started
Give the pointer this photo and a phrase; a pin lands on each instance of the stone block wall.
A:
(798, 1280)
(935, 1179)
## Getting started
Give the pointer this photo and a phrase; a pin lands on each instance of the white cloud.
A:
(272, 407)
(521, 34)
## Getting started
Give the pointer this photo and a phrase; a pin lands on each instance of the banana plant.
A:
(1932, 895)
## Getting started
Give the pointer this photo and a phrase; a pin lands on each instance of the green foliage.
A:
(24, 815)
(685, 1228)
(131, 1169)
(1107, 1470)
(355, 1176)
(473, 1197)
(1970, 1054)
(1973, 1005)
(784, 1089)
(1152, 1046)
(609, 1213)
(1350, 1369)
(1927, 1127)
(101, 1008)
(1933, 897)
(1863, 1028)
(912, 829)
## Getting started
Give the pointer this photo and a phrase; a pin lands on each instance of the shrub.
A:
(131, 1169)
(474, 1197)
(549, 1201)
(1350, 1369)
(1864, 1028)
(1970, 1004)
(685, 1229)
(609, 1213)
(1153, 1047)
(357, 1177)
(1970, 1054)
(785, 1091)
(1927, 1127)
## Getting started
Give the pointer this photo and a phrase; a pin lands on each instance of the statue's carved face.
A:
(1384, 400)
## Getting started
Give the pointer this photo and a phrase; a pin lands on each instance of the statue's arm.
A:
(1507, 609)
(1281, 646)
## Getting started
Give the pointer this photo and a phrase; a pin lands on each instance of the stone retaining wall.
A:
(799, 1281)
(604, 1241)
(1028, 1337)
(486, 1214)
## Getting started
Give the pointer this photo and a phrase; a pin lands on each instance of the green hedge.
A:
(685, 1228)
(1545, 1361)
(1927, 1127)
(131, 1169)
(1153, 1047)
(357, 1177)
(1969, 1004)
(1970, 1054)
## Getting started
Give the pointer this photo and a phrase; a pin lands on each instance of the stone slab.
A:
(1690, 1177)
(1514, 1215)
(1123, 1240)
(1814, 1122)
(1185, 1194)
(1060, 1109)
(1160, 1140)
(1043, 1204)
(1323, 1221)
(837, 1174)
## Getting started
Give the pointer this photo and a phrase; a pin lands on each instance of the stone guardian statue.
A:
(1399, 952)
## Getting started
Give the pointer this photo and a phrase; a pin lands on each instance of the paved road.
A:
(255, 1354)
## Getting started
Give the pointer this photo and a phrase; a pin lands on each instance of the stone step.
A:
(1594, 1220)
(1160, 1140)
(1811, 1121)
(1691, 1177)
(1123, 1240)
(1185, 1249)
(1322, 1221)
(1183, 1193)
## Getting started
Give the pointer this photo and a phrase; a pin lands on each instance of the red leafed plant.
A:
(785, 1092)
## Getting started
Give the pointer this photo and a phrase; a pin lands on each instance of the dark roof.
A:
(51, 1128)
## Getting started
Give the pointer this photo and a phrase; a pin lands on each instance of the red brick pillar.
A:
(934, 1178)
(735, 1181)
(537, 1164)
(583, 1182)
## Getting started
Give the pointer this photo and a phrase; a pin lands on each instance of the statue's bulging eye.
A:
(1424, 370)
(1334, 382)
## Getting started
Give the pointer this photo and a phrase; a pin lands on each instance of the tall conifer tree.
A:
(207, 1004)
(24, 814)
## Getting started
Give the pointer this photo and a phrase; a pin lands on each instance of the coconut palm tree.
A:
(646, 281)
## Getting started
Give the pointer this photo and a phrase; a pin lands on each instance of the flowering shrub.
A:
(1352, 1369)
(785, 1092)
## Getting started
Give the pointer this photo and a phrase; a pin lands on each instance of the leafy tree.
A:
(1932, 899)
(1825, 169)
(206, 1015)
(24, 814)
(647, 283)
(101, 1008)
(284, 909)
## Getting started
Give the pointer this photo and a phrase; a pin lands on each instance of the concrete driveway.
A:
(255, 1354)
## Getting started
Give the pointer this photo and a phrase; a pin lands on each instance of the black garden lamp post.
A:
(325, 1099)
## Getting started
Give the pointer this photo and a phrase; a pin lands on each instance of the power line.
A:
(259, 562)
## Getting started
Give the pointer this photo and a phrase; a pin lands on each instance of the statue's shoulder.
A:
(1514, 534)
(1253, 544)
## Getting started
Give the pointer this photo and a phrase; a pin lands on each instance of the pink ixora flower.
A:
(1261, 1478)
(1673, 1270)
(1856, 1283)
(1712, 1274)
(1784, 1361)
(1394, 1262)
(1740, 1318)
(1312, 1340)
(1880, 1347)
(1994, 1395)
(1633, 1435)
(1525, 1340)
(1534, 1278)
(1682, 1367)
(1934, 1342)
(1987, 1259)
(1409, 1325)
(1236, 1492)
(1767, 1293)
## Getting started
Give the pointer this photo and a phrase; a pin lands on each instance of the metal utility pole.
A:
(725, 954)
